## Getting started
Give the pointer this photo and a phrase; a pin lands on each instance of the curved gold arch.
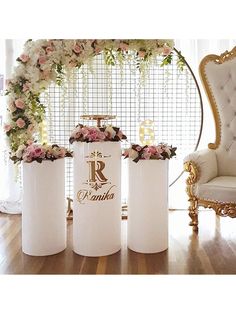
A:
(224, 57)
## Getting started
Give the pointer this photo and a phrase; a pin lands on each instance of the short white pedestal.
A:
(148, 206)
(97, 198)
(44, 211)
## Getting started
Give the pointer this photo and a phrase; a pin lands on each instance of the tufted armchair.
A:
(212, 172)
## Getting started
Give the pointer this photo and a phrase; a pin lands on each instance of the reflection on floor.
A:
(212, 251)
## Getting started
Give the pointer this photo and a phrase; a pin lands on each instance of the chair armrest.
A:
(203, 164)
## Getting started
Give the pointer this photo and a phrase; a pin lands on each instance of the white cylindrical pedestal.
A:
(97, 198)
(44, 212)
(148, 206)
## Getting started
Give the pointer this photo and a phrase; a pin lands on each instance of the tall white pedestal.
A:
(97, 198)
(44, 212)
(148, 206)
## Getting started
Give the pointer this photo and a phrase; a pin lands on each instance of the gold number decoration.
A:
(146, 132)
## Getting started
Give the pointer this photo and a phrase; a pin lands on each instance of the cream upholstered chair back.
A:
(212, 172)
(218, 74)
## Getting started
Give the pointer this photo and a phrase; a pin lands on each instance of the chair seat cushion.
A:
(222, 189)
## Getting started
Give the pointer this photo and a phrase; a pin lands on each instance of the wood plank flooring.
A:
(212, 251)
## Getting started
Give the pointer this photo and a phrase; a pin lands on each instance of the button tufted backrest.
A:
(219, 79)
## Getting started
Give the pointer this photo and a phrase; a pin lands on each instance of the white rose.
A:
(110, 129)
(20, 150)
(132, 153)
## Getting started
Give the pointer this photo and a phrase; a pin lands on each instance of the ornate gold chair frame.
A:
(221, 208)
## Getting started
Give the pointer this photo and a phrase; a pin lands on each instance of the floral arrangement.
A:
(160, 151)
(38, 152)
(45, 61)
(96, 134)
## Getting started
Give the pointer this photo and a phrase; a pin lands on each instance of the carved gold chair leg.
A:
(193, 214)
(191, 167)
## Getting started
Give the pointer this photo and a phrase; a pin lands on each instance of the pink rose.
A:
(20, 104)
(72, 64)
(95, 135)
(151, 149)
(166, 50)
(26, 86)
(24, 58)
(138, 148)
(123, 46)
(30, 128)
(141, 53)
(20, 123)
(97, 50)
(77, 48)
(49, 49)
(146, 155)
(7, 127)
(30, 149)
(42, 60)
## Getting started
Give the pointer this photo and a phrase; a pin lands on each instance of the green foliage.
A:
(109, 57)
(167, 60)
(181, 61)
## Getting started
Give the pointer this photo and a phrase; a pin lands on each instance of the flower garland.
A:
(45, 61)
(160, 151)
(38, 152)
(90, 134)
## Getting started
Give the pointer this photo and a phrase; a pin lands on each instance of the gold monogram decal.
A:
(96, 176)
(96, 180)
(96, 154)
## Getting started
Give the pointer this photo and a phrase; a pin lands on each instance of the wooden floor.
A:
(212, 251)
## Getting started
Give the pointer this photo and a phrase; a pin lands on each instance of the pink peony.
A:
(151, 149)
(7, 127)
(24, 58)
(95, 135)
(42, 60)
(77, 48)
(19, 103)
(38, 152)
(20, 123)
